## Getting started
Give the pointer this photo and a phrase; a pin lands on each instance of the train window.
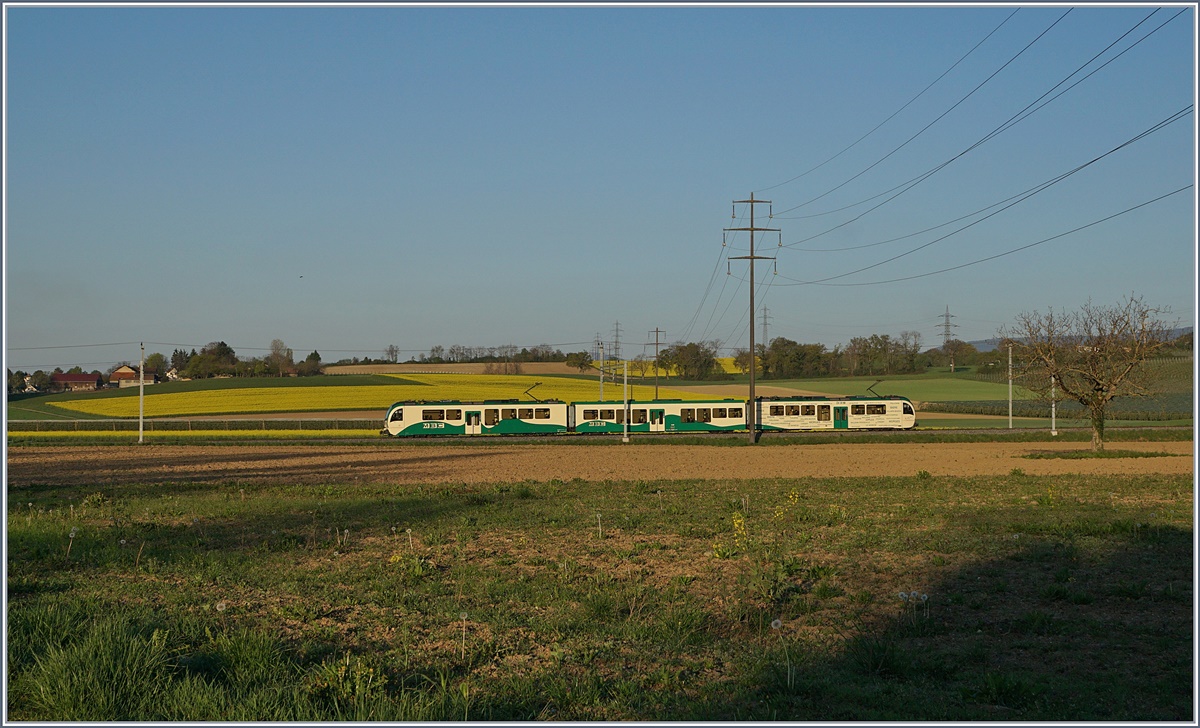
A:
(541, 413)
(877, 409)
(687, 415)
(719, 413)
(777, 410)
(858, 409)
(508, 414)
(823, 413)
(525, 413)
(620, 417)
(704, 414)
(433, 414)
(793, 410)
(736, 413)
(608, 414)
(491, 417)
(591, 414)
(397, 415)
(908, 410)
(637, 417)
(808, 410)
(454, 414)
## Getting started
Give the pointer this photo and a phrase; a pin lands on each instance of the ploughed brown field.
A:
(403, 463)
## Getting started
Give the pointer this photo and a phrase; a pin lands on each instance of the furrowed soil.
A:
(403, 463)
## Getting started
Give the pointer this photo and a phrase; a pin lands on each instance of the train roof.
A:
(835, 398)
(662, 401)
(464, 402)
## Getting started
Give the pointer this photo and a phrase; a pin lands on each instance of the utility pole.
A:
(656, 332)
(601, 371)
(616, 351)
(625, 399)
(750, 417)
(141, 393)
(1010, 386)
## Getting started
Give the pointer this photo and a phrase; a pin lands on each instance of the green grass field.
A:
(1024, 599)
(922, 388)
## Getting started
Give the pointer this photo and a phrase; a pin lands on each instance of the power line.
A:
(897, 111)
(711, 279)
(1020, 198)
(1015, 250)
(1013, 120)
(936, 120)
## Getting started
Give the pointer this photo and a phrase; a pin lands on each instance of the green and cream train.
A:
(513, 417)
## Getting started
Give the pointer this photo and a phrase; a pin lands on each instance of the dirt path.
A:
(403, 463)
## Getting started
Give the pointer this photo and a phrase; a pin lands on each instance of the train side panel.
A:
(721, 415)
(423, 419)
(849, 413)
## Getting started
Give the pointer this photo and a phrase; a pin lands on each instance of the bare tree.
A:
(1091, 356)
(280, 357)
(640, 365)
(741, 360)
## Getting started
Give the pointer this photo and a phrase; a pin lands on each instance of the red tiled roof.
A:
(120, 374)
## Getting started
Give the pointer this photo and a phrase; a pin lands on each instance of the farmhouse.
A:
(127, 376)
(76, 382)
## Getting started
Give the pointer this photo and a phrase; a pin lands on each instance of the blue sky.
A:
(349, 178)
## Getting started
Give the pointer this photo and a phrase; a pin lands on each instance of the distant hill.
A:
(991, 344)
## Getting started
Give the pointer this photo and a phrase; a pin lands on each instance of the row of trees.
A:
(458, 354)
(219, 359)
(784, 358)
(787, 359)
(216, 359)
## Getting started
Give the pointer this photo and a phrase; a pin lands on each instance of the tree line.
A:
(459, 354)
(216, 359)
(784, 358)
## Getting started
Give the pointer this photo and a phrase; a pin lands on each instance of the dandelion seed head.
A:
(924, 598)
(903, 596)
(221, 606)
(776, 624)
(122, 542)
(462, 615)
(913, 595)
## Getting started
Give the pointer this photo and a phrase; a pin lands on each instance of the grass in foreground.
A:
(1024, 598)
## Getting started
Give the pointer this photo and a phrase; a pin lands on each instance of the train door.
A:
(656, 420)
(840, 419)
(472, 423)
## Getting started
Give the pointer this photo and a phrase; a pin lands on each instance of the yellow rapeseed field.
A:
(359, 397)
